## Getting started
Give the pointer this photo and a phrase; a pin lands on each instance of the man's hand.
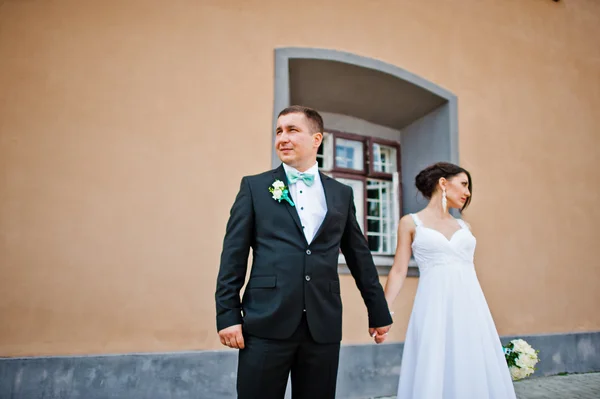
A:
(232, 337)
(379, 334)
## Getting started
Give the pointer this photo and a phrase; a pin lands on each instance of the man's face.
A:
(295, 142)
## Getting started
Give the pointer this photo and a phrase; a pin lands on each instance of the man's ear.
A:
(318, 139)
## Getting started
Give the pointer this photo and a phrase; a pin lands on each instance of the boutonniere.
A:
(280, 192)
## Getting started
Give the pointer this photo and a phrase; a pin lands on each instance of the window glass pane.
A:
(373, 225)
(349, 154)
(320, 157)
(381, 229)
(373, 194)
(325, 153)
(384, 158)
(374, 243)
(374, 207)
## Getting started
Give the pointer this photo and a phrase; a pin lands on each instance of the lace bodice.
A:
(432, 249)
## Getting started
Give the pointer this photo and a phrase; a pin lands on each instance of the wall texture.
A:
(366, 371)
(126, 126)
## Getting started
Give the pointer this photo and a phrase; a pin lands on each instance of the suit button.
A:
(307, 277)
(308, 252)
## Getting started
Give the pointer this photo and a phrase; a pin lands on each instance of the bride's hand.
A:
(379, 334)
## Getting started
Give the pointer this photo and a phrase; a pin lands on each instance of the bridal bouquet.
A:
(521, 358)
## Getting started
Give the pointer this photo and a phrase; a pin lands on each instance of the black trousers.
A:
(264, 366)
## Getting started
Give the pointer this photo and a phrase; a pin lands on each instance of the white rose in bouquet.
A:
(517, 373)
(521, 358)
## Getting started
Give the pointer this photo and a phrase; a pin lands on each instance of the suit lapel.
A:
(279, 174)
(328, 189)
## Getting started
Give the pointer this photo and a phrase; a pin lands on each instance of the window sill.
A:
(383, 263)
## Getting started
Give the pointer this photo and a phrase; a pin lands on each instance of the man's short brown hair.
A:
(314, 118)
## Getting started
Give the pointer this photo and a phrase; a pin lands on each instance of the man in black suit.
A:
(295, 219)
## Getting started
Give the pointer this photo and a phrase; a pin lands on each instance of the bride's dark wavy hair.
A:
(427, 179)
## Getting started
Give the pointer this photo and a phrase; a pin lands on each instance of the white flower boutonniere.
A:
(280, 192)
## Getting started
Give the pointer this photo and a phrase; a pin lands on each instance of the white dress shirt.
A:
(310, 202)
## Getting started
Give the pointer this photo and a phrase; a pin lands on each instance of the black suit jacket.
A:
(288, 275)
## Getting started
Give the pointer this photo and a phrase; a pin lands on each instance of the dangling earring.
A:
(444, 201)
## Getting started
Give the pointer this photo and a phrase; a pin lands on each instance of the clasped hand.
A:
(379, 334)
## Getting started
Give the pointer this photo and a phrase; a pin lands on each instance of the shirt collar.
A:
(312, 170)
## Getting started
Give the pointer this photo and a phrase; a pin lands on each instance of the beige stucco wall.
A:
(126, 126)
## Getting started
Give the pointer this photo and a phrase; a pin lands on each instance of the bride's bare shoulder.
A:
(407, 223)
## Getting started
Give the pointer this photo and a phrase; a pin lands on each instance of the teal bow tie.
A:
(307, 178)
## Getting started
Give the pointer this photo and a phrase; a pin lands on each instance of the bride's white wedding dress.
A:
(452, 349)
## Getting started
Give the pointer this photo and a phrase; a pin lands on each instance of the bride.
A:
(452, 349)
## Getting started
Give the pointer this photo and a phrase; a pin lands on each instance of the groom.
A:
(295, 219)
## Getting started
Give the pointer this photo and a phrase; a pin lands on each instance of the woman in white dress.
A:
(452, 349)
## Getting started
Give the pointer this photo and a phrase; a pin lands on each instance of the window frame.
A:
(352, 137)
(387, 143)
(380, 219)
(367, 172)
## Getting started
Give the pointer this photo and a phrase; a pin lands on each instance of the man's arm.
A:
(360, 262)
(234, 259)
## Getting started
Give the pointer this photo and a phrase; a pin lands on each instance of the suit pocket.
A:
(262, 282)
(334, 286)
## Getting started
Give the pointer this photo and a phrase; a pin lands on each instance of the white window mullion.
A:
(381, 217)
(396, 207)
(387, 220)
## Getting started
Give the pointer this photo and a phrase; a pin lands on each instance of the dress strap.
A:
(416, 219)
(462, 224)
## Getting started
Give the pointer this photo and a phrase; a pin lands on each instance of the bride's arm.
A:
(397, 274)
